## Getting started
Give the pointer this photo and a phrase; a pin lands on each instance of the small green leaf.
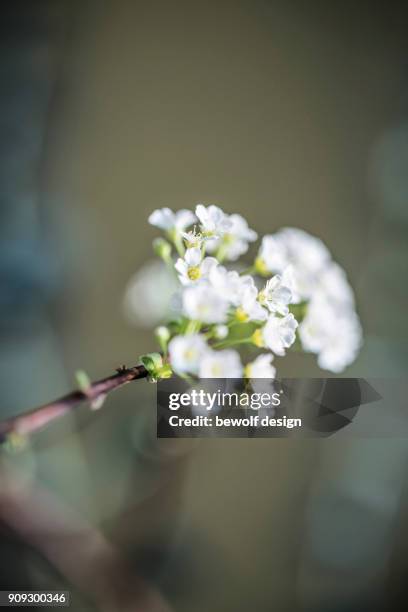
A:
(82, 380)
(153, 362)
(15, 442)
(165, 371)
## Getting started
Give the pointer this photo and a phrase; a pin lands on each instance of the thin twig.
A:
(75, 547)
(41, 416)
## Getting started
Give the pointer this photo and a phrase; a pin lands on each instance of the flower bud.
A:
(162, 334)
(221, 332)
(83, 381)
(162, 248)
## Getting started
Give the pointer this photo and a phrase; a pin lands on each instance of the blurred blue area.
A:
(30, 276)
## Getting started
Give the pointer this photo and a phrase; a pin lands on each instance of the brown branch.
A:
(41, 416)
(74, 546)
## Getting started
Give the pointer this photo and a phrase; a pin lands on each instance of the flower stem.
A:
(178, 243)
(250, 270)
(221, 252)
(228, 343)
(193, 327)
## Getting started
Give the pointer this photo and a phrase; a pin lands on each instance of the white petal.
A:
(262, 367)
(181, 266)
(193, 256)
(221, 364)
(208, 264)
(201, 213)
(203, 303)
(163, 218)
(257, 313)
(184, 218)
(186, 352)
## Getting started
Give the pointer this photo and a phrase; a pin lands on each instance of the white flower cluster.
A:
(330, 326)
(305, 293)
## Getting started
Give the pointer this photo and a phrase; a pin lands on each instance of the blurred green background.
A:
(289, 113)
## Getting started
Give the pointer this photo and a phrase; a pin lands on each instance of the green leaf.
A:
(166, 371)
(15, 442)
(153, 362)
(82, 380)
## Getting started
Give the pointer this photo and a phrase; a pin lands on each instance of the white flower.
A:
(272, 255)
(276, 295)
(294, 246)
(279, 333)
(316, 325)
(149, 293)
(249, 309)
(235, 240)
(203, 303)
(240, 291)
(333, 334)
(291, 246)
(239, 229)
(341, 348)
(167, 220)
(192, 239)
(230, 283)
(214, 222)
(290, 280)
(193, 268)
(334, 285)
(261, 367)
(221, 364)
(186, 352)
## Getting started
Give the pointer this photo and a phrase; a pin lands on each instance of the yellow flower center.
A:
(241, 315)
(194, 273)
(189, 355)
(257, 338)
(260, 267)
(262, 297)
